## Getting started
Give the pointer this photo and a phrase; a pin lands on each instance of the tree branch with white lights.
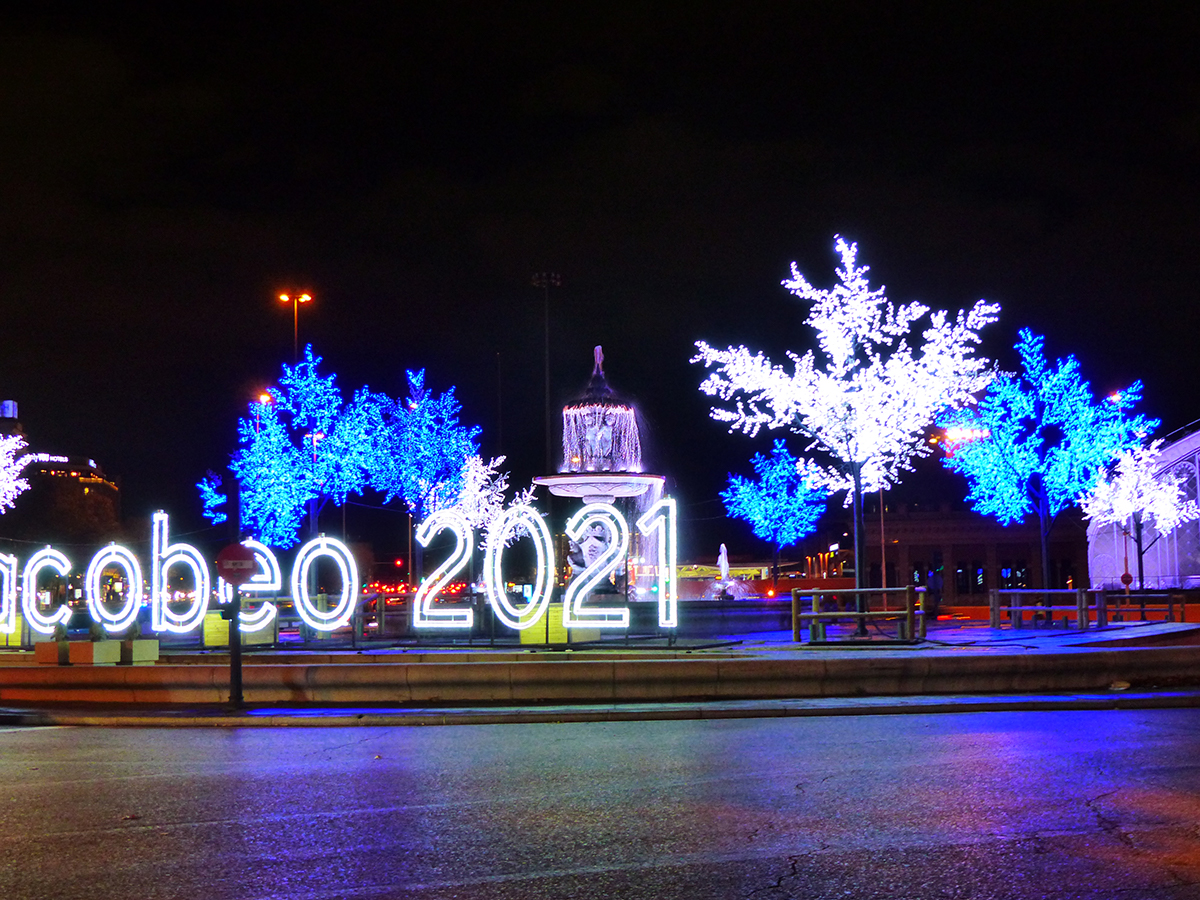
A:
(12, 484)
(866, 401)
(1139, 494)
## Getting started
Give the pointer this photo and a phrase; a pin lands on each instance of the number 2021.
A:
(658, 522)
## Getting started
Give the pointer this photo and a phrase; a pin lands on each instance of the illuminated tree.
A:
(1041, 439)
(12, 485)
(305, 446)
(420, 449)
(866, 403)
(296, 451)
(782, 507)
(1139, 492)
(212, 498)
(483, 494)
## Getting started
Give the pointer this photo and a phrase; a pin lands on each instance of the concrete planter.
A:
(94, 653)
(51, 653)
(139, 652)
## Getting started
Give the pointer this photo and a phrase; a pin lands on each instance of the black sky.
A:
(165, 169)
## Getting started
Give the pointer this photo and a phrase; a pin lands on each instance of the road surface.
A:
(984, 805)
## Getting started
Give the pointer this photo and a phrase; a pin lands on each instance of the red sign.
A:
(236, 564)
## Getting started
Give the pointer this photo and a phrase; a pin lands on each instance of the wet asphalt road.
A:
(984, 805)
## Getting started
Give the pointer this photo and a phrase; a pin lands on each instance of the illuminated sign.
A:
(659, 522)
(114, 603)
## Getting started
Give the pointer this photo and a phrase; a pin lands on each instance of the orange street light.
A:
(295, 300)
(263, 400)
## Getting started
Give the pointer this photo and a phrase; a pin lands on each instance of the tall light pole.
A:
(546, 280)
(295, 300)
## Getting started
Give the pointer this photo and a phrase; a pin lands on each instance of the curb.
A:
(811, 675)
(337, 718)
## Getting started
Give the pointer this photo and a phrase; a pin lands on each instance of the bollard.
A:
(910, 613)
(994, 607)
(1015, 613)
(1081, 609)
(796, 614)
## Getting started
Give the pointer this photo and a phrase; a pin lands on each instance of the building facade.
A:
(963, 554)
(1169, 561)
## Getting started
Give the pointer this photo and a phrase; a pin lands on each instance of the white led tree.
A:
(12, 485)
(866, 402)
(482, 497)
(1138, 493)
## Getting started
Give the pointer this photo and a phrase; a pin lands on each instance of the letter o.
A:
(114, 554)
(340, 553)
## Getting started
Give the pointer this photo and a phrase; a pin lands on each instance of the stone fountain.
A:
(602, 451)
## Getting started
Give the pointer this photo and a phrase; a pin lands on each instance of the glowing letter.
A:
(340, 553)
(8, 594)
(424, 613)
(608, 517)
(661, 517)
(514, 519)
(47, 558)
(267, 580)
(163, 557)
(114, 555)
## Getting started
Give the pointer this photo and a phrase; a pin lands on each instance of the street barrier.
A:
(910, 619)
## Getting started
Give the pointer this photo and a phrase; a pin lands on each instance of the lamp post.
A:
(263, 399)
(546, 280)
(313, 436)
(295, 300)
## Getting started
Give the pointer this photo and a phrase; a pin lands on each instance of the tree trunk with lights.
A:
(860, 579)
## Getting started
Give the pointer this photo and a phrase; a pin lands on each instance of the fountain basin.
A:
(599, 487)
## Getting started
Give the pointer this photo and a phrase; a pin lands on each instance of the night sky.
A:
(167, 169)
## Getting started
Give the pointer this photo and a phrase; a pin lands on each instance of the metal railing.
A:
(1086, 602)
(910, 618)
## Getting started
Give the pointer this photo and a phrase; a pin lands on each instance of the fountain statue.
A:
(601, 462)
(602, 452)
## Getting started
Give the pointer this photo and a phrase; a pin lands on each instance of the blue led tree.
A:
(782, 507)
(1038, 439)
(212, 498)
(297, 451)
(420, 448)
(306, 446)
(420, 451)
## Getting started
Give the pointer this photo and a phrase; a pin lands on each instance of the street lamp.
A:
(295, 300)
(263, 399)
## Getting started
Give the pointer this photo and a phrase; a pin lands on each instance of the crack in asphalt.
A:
(777, 885)
(1108, 825)
(329, 750)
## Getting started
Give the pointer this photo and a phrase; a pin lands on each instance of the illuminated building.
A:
(69, 497)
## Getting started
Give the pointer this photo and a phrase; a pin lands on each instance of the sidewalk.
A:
(963, 667)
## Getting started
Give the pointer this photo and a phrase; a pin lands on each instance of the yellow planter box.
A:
(536, 634)
(216, 632)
